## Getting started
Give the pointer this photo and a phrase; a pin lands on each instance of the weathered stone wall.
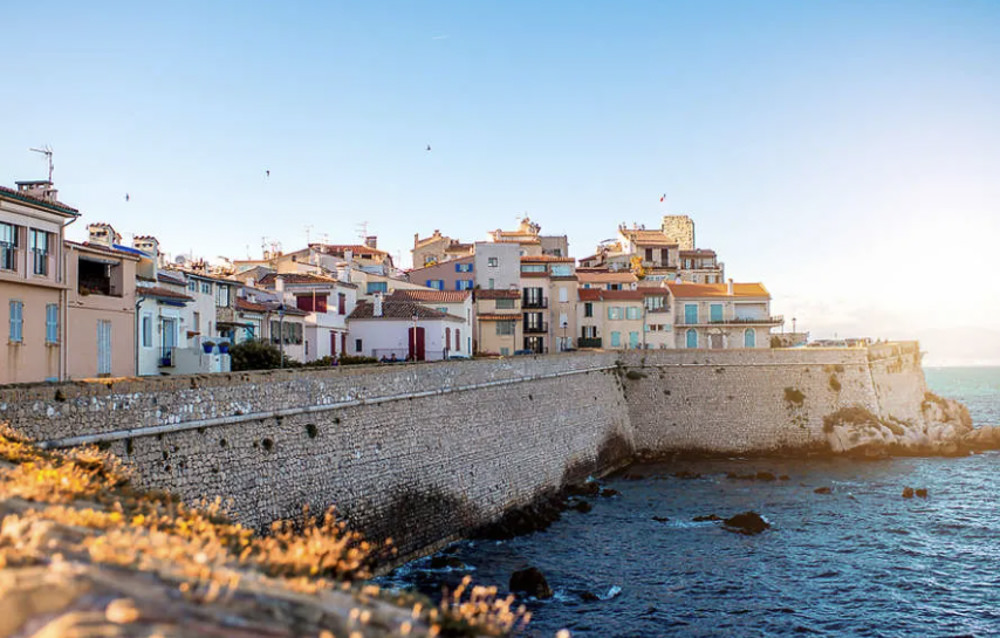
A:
(424, 453)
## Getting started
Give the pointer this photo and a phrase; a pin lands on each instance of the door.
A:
(447, 341)
(749, 338)
(692, 338)
(333, 343)
(343, 342)
(633, 339)
(103, 347)
(168, 340)
(416, 343)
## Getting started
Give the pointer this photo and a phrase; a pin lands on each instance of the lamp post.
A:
(281, 333)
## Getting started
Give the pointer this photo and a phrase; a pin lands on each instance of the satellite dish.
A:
(180, 259)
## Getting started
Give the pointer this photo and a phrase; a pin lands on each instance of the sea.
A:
(858, 561)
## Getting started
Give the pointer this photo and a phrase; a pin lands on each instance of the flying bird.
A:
(267, 173)
(428, 147)
(126, 197)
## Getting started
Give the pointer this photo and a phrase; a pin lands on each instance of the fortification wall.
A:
(424, 453)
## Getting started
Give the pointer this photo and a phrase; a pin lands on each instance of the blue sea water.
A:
(860, 561)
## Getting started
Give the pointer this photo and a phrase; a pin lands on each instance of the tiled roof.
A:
(354, 248)
(161, 293)
(537, 259)
(249, 306)
(698, 252)
(399, 310)
(514, 240)
(466, 259)
(58, 207)
(170, 278)
(431, 296)
(606, 277)
(498, 294)
(301, 278)
(596, 294)
(495, 316)
(686, 290)
(648, 237)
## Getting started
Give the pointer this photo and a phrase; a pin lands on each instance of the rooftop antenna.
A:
(47, 152)
(308, 227)
(362, 230)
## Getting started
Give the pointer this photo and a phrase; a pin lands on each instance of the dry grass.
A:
(86, 493)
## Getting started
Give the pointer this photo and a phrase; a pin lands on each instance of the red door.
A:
(343, 343)
(333, 343)
(416, 344)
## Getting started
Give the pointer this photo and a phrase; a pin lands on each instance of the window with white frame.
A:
(38, 242)
(563, 294)
(147, 330)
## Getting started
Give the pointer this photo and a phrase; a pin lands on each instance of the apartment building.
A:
(499, 325)
(722, 316)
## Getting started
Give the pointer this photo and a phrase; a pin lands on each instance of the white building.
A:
(406, 330)
(327, 303)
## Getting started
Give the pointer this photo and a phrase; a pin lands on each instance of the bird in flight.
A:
(428, 147)
(126, 197)
(267, 173)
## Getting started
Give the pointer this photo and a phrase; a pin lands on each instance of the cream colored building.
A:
(498, 322)
(722, 316)
(438, 248)
(610, 319)
(33, 284)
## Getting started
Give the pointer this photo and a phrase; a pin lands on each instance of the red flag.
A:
(663, 197)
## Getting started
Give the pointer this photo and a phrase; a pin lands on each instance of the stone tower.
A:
(680, 229)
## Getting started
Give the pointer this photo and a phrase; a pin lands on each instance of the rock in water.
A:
(822, 490)
(530, 581)
(766, 476)
(921, 492)
(907, 492)
(710, 517)
(748, 523)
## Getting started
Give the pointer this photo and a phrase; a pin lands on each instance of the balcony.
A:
(541, 327)
(535, 302)
(588, 342)
(743, 321)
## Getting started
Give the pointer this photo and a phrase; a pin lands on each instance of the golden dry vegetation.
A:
(84, 553)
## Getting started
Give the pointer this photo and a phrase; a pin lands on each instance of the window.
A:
(436, 284)
(442, 309)
(614, 312)
(16, 321)
(588, 309)
(562, 270)
(463, 284)
(614, 286)
(655, 303)
(633, 312)
(458, 340)
(222, 296)
(193, 285)
(357, 345)
(563, 294)
(616, 339)
(504, 352)
(505, 304)
(492, 284)
(505, 328)
(197, 322)
(8, 246)
(310, 303)
(715, 311)
(377, 286)
(692, 338)
(690, 313)
(563, 320)
(39, 245)
(492, 262)
(341, 303)
(749, 338)
(463, 267)
(52, 323)
(532, 267)
(649, 254)
(147, 331)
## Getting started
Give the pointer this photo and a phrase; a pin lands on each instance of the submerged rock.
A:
(766, 476)
(660, 519)
(440, 562)
(530, 581)
(921, 492)
(608, 492)
(685, 474)
(748, 523)
(907, 492)
(822, 490)
(710, 517)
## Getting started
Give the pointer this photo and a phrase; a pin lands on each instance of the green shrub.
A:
(348, 360)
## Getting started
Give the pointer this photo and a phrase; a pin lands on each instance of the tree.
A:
(255, 355)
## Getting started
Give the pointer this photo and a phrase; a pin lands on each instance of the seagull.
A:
(428, 147)
(126, 197)
(267, 173)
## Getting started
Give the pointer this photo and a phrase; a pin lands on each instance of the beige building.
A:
(548, 302)
(498, 322)
(532, 242)
(33, 284)
(610, 319)
(437, 249)
(100, 311)
(722, 316)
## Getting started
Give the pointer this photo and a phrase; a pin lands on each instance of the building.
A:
(101, 306)
(326, 302)
(530, 240)
(718, 316)
(603, 279)
(453, 302)
(320, 258)
(610, 319)
(497, 266)
(33, 283)
(438, 249)
(455, 274)
(498, 322)
(548, 303)
(405, 331)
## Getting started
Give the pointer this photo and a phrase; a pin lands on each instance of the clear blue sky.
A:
(845, 153)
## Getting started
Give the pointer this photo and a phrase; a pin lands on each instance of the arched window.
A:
(749, 338)
(692, 338)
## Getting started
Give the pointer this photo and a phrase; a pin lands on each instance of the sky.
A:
(846, 154)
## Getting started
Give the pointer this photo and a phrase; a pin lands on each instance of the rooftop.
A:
(57, 207)
(431, 296)
(498, 294)
(392, 309)
(686, 290)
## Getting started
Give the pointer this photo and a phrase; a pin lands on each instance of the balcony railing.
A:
(535, 302)
(588, 342)
(540, 327)
(776, 320)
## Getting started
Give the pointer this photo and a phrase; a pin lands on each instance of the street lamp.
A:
(281, 333)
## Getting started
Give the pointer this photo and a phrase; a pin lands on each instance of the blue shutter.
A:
(52, 323)
(16, 318)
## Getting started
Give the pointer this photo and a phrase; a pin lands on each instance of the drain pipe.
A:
(64, 305)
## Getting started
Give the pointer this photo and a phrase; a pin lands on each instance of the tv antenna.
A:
(308, 227)
(362, 230)
(47, 152)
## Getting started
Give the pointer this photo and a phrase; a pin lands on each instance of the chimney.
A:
(372, 241)
(344, 273)
(377, 305)
(279, 285)
(729, 288)
(348, 255)
(39, 189)
(103, 234)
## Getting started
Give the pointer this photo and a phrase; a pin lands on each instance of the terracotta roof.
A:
(513, 240)
(399, 310)
(495, 316)
(458, 247)
(606, 277)
(354, 248)
(596, 294)
(648, 237)
(249, 306)
(102, 249)
(29, 199)
(431, 296)
(170, 278)
(698, 252)
(546, 259)
(686, 290)
(498, 294)
(301, 278)
(466, 259)
(161, 293)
